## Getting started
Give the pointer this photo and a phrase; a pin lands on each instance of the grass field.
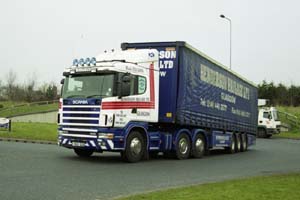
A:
(25, 108)
(32, 131)
(295, 134)
(276, 187)
(292, 110)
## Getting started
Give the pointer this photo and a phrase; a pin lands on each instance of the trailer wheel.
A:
(232, 147)
(135, 147)
(83, 152)
(238, 143)
(244, 145)
(198, 149)
(183, 147)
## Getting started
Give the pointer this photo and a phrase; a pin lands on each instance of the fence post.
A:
(9, 125)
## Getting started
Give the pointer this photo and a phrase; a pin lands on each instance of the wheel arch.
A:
(180, 131)
(142, 128)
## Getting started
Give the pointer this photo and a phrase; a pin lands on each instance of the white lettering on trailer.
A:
(166, 61)
(162, 73)
(224, 82)
(167, 54)
(221, 137)
(166, 64)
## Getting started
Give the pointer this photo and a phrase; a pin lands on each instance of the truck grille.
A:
(74, 116)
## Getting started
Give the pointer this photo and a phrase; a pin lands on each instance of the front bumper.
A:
(96, 143)
(271, 131)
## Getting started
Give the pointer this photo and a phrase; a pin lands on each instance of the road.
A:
(36, 171)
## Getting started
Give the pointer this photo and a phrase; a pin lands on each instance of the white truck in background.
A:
(268, 120)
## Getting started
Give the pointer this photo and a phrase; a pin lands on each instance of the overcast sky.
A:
(43, 37)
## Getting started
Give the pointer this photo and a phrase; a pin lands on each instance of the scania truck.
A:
(156, 97)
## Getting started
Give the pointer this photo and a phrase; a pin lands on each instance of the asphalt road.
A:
(35, 171)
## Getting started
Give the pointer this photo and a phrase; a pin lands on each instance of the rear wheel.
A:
(232, 147)
(183, 147)
(198, 149)
(238, 143)
(83, 152)
(244, 146)
(135, 147)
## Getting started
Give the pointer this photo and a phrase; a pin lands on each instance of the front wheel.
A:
(261, 133)
(135, 147)
(83, 152)
(183, 147)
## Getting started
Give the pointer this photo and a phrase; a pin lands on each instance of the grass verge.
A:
(28, 109)
(263, 188)
(31, 131)
(289, 135)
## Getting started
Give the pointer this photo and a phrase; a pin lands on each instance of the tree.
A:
(29, 88)
(11, 84)
(51, 92)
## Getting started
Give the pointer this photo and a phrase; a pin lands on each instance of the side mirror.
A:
(270, 116)
(62, 81)
(125, 86)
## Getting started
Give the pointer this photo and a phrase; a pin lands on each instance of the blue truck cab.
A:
(155, 97)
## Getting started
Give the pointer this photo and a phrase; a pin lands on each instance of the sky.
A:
(40, 38)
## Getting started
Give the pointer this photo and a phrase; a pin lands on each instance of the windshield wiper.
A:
(72, 96)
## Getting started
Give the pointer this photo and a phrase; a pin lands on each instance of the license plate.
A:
(78, 144)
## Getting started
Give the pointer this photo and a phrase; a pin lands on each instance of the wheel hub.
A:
(136, 146)
(199, 145)
(183, 146)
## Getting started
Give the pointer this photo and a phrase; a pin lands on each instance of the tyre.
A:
(261, 133)
(232, 147)
(238, 143)
(83, 152)
(135, 147)
(199, 145)
(183, 146)
(244, 145)
(268, 135)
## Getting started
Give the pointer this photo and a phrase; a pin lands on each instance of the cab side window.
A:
(138, 85)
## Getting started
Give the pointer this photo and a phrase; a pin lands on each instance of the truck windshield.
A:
(88, 86)
(275, 115)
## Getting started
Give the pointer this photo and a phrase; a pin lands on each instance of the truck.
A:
(268, 121)
(155, 97)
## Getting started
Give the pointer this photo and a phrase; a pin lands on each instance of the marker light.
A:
(93, 61)
(75, 62)
(87, 61)
(81, 61)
